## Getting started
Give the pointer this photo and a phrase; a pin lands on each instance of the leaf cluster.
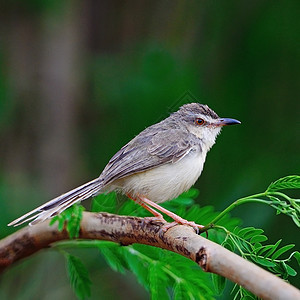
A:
(282, 202)
(78, 275)
(248, 242)
(168, 275)
(70, 220)
(164, 274)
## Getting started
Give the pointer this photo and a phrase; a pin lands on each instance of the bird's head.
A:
(203, 122)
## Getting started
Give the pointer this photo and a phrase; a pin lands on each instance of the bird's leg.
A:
(176, 218)
(157, 216)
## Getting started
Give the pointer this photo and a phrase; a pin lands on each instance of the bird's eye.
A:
(199, 121)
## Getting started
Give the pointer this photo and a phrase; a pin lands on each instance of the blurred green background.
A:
(79, 79)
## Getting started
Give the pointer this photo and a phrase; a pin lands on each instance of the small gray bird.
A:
(159, 164)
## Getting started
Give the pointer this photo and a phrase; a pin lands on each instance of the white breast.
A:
(165, 182)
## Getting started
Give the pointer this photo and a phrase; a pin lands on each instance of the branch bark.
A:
(210, 256)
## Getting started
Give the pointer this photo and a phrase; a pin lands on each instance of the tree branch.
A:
(210, 256)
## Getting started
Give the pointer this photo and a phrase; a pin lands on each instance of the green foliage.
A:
(156, 269)
(168, 275)
(218, 282)
(70, 219)
(288, 182)
(278, 200)
(79, 277)
(241, 293)
(248, 243)
(105, 202)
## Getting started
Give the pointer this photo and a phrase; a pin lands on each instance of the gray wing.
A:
(147, 151)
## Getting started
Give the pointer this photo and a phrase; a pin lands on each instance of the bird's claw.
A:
(159, 219)
(192, 224)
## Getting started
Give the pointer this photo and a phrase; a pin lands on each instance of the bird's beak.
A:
(227, 121)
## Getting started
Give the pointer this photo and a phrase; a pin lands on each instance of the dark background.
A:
(79, 79)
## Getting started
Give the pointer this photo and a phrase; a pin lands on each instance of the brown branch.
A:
(210, 256)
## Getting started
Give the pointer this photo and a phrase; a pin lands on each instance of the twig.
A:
(210, 256)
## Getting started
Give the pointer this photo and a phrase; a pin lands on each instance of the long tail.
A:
(59, 204)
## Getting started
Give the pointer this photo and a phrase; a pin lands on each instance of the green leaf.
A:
(153, 281)
(105, 202)
(131, 208)
(264, 262)
(243, 294)
(271, 251)
(249, 297)
(70, 219)
(157, 282)
(264, 249)
(296, 220)
(183, 292)
(186, 199)
(228, 244)
(254, 232)
(59, 220)
(137, 265)
(288, 182)
(283, 265)
(291, 271)
(296, 254)
(242, 232)
(73, 224)
(258, 239)
(79, 277)
(182, 201)
(245, 245)
(282, 250)
(191, 193)
(219, 283)
(178, 291)
(257, 245)
(112, 258)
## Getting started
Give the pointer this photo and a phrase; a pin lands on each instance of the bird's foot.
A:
(157, 218)
(149, 205)
(181, 221)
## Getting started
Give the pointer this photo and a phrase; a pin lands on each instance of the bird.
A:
(157, 165)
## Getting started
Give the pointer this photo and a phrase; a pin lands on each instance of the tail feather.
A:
(60, 203)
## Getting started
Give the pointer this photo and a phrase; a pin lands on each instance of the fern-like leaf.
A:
(219, 283)
(105, 202)
(288, 182)
(79, 277)
(69, 219)
(248, 243)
